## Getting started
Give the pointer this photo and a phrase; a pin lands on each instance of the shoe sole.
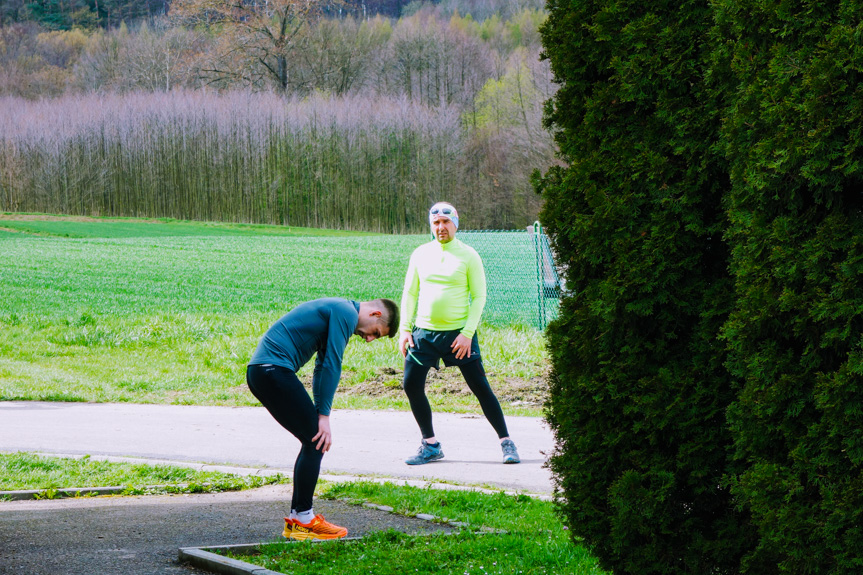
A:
(511, 461)
(438, 458)
(307, 536)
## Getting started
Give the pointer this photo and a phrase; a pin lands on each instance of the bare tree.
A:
(335, 55)
(159, 58)
(34, 63)
(101, 66)
(17, 42)
(435, 64)
(256, 37)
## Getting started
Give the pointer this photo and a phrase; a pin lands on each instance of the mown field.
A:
(162, 311)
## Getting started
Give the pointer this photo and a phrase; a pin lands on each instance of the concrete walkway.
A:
(366, 443)
(142, 535)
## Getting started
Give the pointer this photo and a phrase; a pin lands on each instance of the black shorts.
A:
(432, 346)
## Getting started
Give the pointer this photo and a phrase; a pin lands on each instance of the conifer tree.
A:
(638, 388)
(796, 236)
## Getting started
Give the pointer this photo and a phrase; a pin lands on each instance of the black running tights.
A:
(474, 374)
(281, 392)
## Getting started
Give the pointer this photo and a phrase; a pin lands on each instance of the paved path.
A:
(141, 535)
(365, 442)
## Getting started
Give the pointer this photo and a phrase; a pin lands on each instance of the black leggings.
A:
(474, 374)
(281, 392)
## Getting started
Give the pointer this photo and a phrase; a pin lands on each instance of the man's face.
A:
(443, 229)
(372, 329)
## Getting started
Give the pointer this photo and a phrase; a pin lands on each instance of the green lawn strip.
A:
(27, 471)
(534, 542)
(73, 227)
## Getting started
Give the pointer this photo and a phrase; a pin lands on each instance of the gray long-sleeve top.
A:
(323, 326)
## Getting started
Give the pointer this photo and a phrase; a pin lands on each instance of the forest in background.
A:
(286, 116)
(91, 14)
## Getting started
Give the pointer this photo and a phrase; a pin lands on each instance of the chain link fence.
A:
(523, 283)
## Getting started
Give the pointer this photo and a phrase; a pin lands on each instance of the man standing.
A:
(321, 326)
(443, 299)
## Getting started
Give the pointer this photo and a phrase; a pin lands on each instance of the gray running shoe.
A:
(510, 454)
(426, 454)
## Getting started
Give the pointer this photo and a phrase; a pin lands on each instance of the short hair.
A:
(390, 315)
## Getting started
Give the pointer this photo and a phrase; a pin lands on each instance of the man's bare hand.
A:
(461, 346)
(324, 436)
(405, 340)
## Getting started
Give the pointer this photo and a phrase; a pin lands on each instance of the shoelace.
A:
(423, 448)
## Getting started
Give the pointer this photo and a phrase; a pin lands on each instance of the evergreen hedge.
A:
(638, 393)
(795, 142)
(705, 385)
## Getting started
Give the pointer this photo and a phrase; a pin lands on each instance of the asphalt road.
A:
(142, 535)
(371, 443)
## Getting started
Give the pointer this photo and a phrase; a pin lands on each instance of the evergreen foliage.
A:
(796, 238)
(706, 365)
(638, 393)
(65, 15)
(68, 14)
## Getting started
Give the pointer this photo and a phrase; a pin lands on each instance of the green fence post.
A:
(540, 299)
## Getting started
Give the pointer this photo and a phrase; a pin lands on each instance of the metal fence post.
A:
(540, 299)
(521, 275)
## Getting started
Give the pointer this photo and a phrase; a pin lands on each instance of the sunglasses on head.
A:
(444, 211)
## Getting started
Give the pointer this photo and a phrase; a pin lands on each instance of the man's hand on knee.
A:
(324, 436)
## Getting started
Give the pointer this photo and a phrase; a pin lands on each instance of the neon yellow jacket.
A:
(444, 288)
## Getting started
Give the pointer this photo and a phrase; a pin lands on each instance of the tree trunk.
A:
(283, 72)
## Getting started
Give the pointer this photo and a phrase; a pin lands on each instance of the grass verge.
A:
(536, 542)
(27, 471)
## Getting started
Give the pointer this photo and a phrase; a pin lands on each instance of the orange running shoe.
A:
(317, 528)
(289, 527)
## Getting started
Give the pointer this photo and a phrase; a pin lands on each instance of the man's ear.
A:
(376, 313)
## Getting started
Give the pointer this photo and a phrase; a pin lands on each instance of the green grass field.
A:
(170, 312)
